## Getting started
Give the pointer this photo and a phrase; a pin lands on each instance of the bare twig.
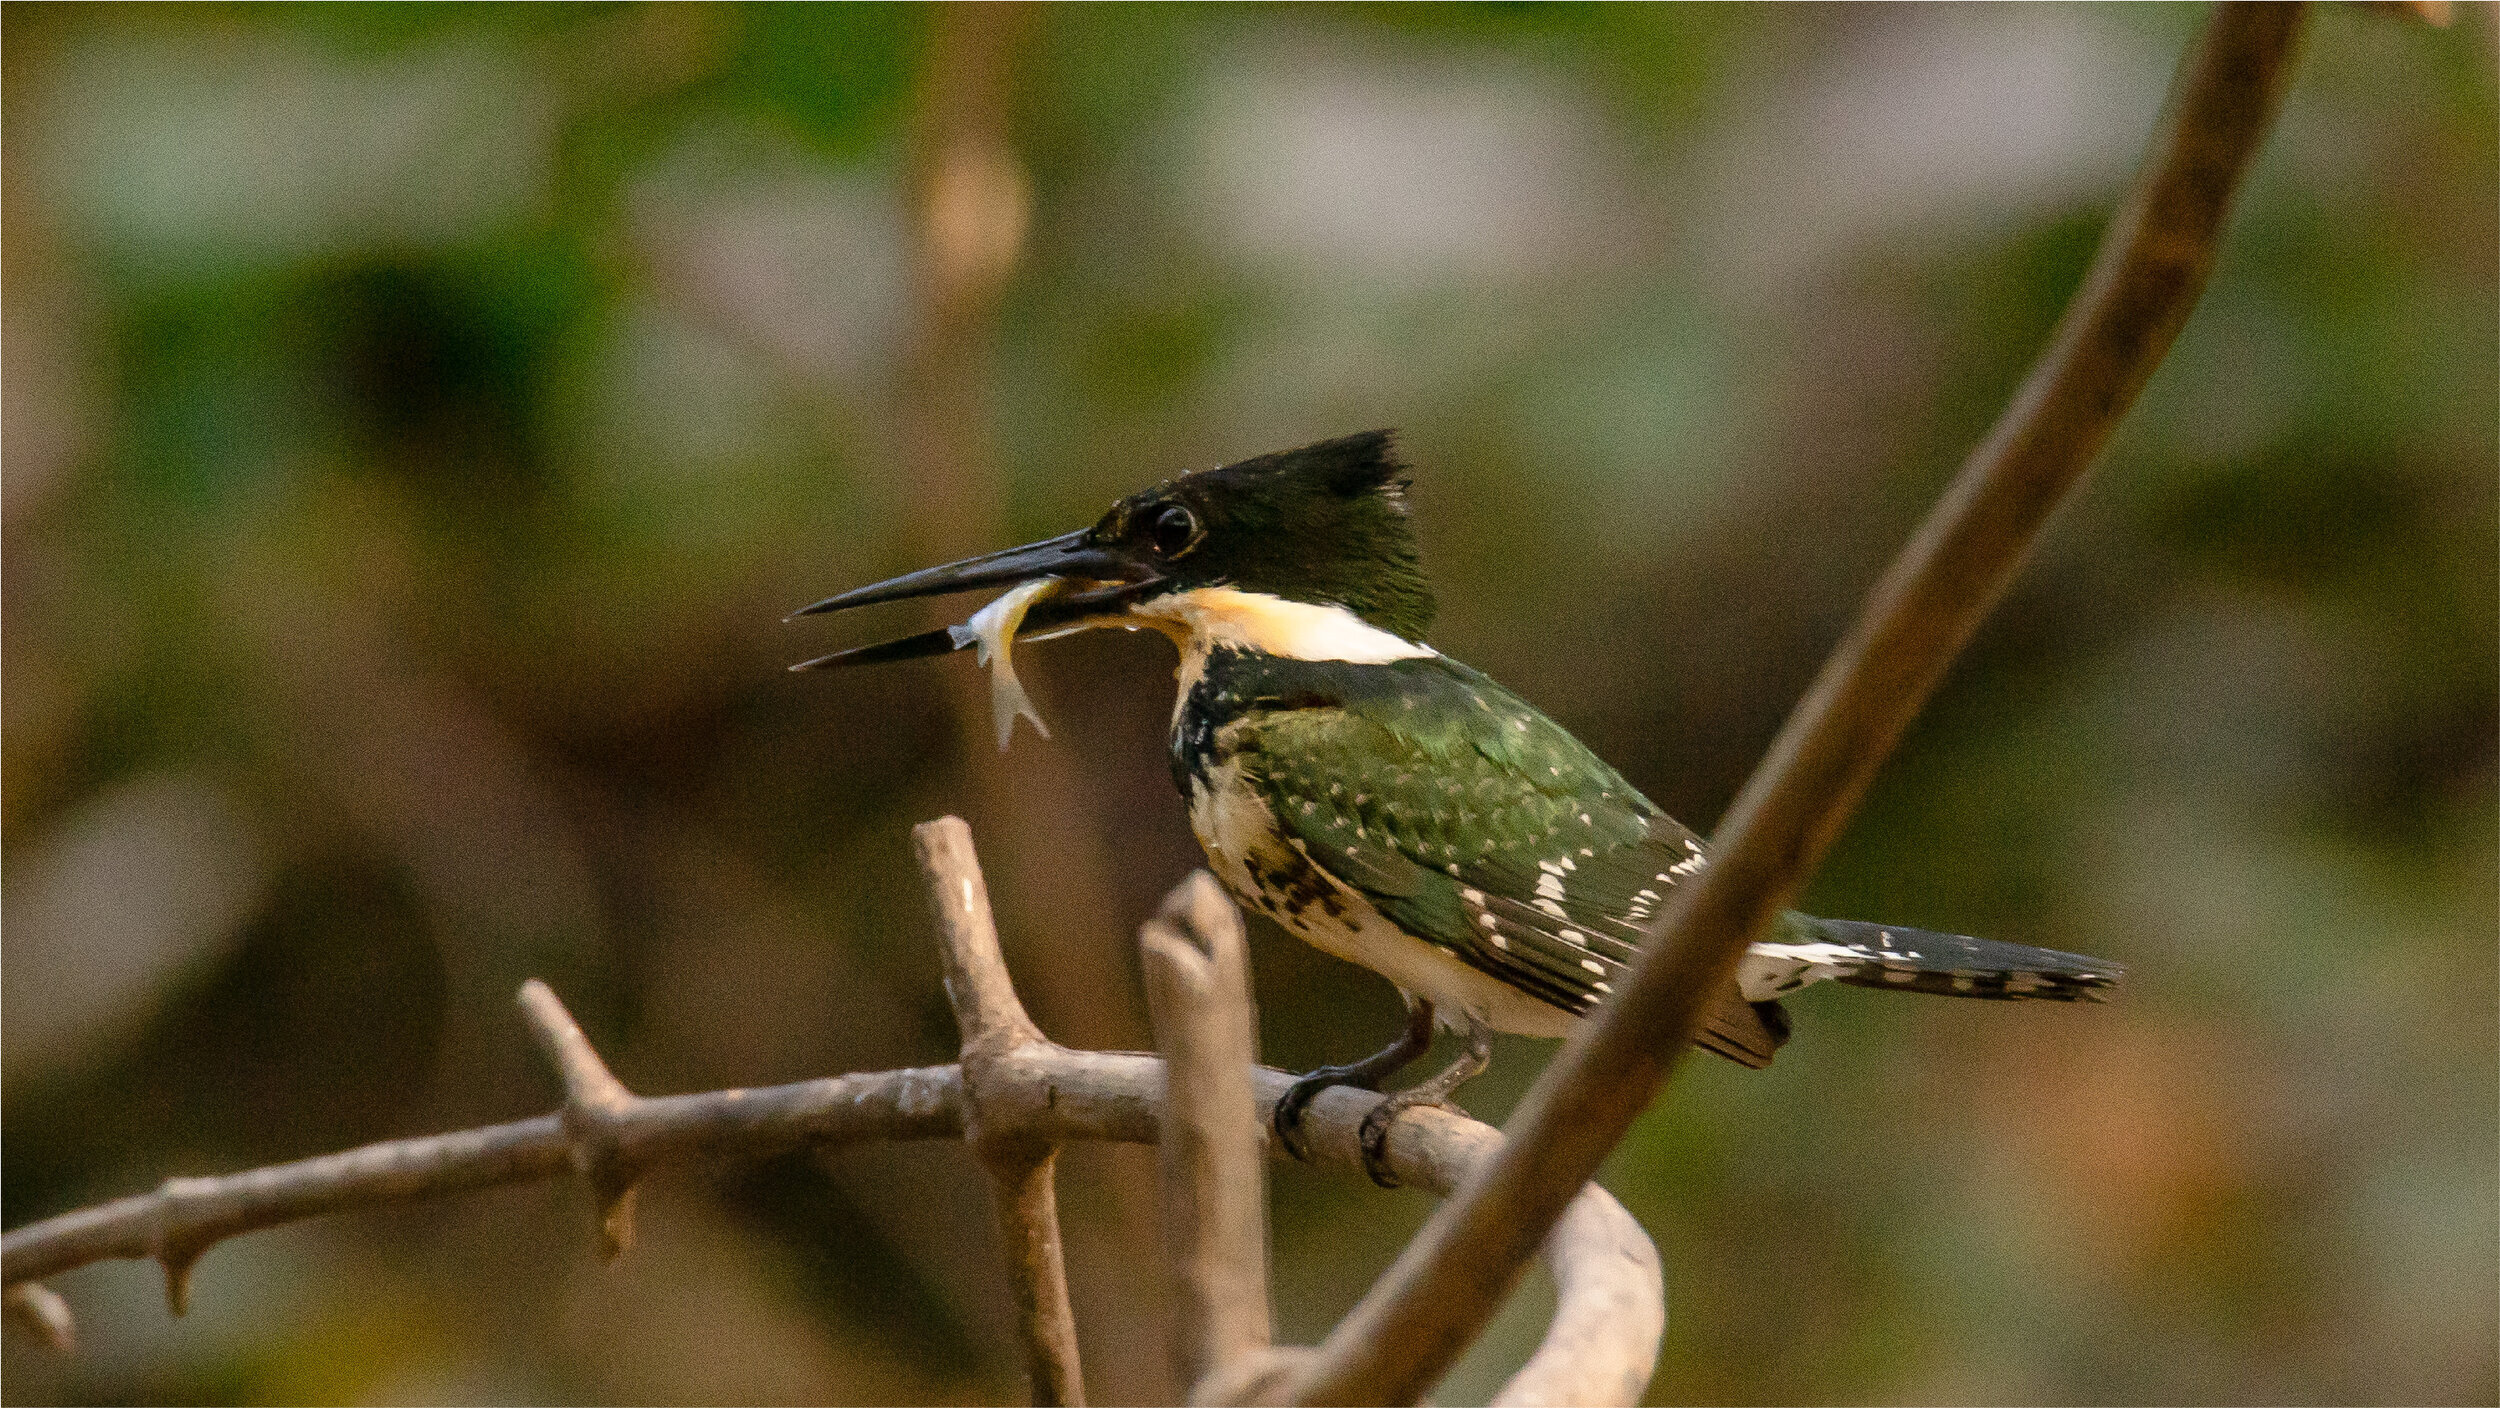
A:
(1610, 1296)
(1027, 1095)
(1022, 1168)
(2151, 266)
(1025, 1187)
(596, 1107)
(978, 987)
(196, 1213)
(35, 1307)
(1605, 1349)
(1607, 1295)
(1214, 1191)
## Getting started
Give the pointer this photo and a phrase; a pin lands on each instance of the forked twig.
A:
(1022, 1168)
(2152, 264)
(597, 1107)
(1034, 1094)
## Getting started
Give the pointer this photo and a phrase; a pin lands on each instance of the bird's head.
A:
(1324, 527)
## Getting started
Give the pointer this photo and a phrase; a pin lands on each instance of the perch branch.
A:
(2151, 266)
(1603, 1266)
(197, 1213)
(1028, 1094)
(1022, 1168)
(1214, 1191)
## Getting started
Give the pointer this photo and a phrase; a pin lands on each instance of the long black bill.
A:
(1067, 555)
(1114, 579)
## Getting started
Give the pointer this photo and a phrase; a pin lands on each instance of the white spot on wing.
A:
(1771, 969)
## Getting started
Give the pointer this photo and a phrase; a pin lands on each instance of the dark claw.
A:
(1374, 1137)
(1287, 1121)
(1366, 1074)
(1374, 1134)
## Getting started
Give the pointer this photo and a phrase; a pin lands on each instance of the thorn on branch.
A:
(179, 1235)
(596, 1106)
(39, 1311)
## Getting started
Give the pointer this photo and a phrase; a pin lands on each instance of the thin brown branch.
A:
(1214, 1190)
(1078, 1095)
(1032, 1095)
(978, 987)
(1022, 1168)
(596, 1106)
(1607, 1296)
(1025, 1188)
(37, 1309)
(969, 195)
(197, 1213)
(2151, 267)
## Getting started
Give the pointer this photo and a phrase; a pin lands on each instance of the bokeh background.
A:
(418, 421)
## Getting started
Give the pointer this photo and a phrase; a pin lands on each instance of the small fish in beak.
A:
(1056, 587)
(992, 634)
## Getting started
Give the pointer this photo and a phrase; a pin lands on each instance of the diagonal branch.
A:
(2152, 265)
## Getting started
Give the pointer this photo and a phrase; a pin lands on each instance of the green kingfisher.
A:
(1388, 804)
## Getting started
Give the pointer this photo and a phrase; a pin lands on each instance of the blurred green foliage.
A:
(418, 419)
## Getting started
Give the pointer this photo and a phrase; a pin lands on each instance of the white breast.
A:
(1245, 848)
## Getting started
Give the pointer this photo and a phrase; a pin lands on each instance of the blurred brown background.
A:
(419, 419)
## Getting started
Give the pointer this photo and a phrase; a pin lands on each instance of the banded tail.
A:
(1807, 950)
(1749, 1026)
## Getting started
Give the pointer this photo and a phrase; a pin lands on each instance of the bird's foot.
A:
(1373, 1134)
(1296, 1101)
(1366, 1074)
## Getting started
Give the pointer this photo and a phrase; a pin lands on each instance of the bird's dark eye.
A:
(1175, 528)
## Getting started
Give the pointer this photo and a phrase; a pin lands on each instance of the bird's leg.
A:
(1366, 1074)
(1374, 1134)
